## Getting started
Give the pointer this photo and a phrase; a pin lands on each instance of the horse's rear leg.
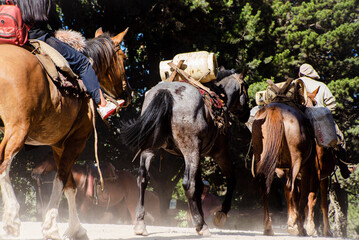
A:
(324, 206)
(309, 222)
(10, 145)
(312, 200)
(307, 176)
(290, 195)
(193, 187)
(145, 162)
(223, 160)
(267, 221)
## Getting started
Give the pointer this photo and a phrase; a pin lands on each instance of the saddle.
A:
(57, 68)
(291, 91)
(94, 188)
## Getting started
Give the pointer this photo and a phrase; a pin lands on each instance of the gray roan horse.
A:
(174, 117)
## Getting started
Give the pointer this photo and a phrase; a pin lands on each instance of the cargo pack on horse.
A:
(34, 112)
(175, 117)
(120, 191)
(283, 138)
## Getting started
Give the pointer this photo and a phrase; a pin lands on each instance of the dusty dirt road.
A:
(32, 231)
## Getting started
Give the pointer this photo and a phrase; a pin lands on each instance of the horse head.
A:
(108, 62)
(311, 98)
(237, 96)
(45, 166)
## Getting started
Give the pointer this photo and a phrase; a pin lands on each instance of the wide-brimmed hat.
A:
(307, 70)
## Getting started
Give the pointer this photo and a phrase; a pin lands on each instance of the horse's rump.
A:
(268, 134)
(154, 120)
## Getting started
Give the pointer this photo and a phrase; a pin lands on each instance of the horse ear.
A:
(98, 32)
(244, 72)
(314, 93)
(119, 37)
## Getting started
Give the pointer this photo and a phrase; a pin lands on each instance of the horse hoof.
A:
(50, 230)
(310, 229)
(140, 228)
(12, 230)
(303, 233)
(219, 219)
(268, 232)
(204, 231)
(11, 224)
(75, 233)
(293, 230)
(328, 233)
(51, 235)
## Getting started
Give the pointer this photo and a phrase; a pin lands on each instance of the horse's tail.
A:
(152, 124)
(272, 146)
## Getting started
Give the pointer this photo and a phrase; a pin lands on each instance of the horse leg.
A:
(145, 162)
(9, 147)
(11, 218)
(50, 230)
(267, 221)
(193, 187)
(75, 228)
(292, 228)
(223, 160)
(324, 206)
(309, 225)
(64, 158)
(307, 176)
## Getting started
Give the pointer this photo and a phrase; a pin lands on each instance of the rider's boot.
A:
(109, 108)
(341, 157)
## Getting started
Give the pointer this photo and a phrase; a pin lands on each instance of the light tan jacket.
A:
(324, 97)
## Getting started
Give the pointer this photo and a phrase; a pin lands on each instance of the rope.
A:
(96, 143)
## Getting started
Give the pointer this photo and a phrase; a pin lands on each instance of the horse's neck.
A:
(229, 87)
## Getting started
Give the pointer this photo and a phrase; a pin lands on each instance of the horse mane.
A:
(222, 73)
(102, 51)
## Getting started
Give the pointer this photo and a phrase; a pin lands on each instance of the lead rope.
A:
(96, 142)
(40, 194)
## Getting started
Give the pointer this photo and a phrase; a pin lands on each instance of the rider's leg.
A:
(341, 153)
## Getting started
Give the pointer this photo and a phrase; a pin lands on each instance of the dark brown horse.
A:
(283, 138)
(324, 166)
(34, 112)
(174, 117)
(120, 190)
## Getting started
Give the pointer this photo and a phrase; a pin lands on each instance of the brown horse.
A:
(34, 112)
(283, 139)
(324, 166)
(120, 190)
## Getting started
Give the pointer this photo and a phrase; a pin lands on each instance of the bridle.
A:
(241, 90)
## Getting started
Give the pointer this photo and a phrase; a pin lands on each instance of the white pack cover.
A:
(323, 124)
(202, 66)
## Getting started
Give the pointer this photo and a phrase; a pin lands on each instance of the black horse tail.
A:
(272, 146)
(152, 125)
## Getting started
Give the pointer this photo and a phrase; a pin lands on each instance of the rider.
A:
(35, 13)
(324, 98)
